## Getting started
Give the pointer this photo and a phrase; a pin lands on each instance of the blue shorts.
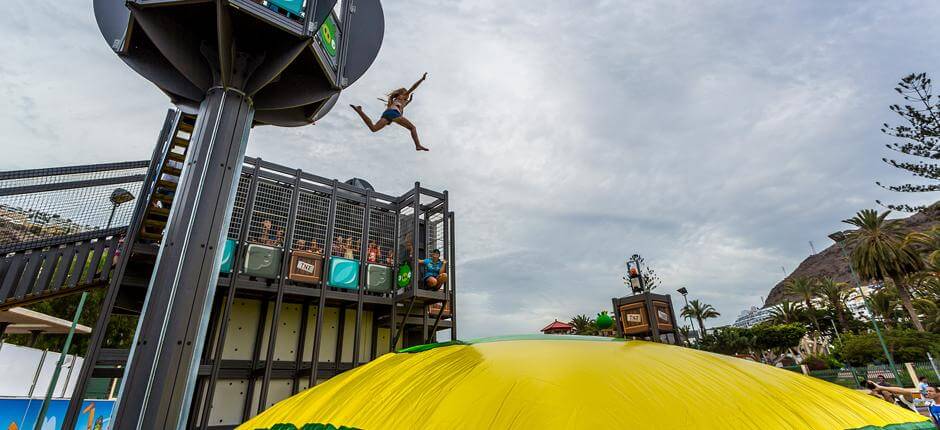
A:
(391, 114)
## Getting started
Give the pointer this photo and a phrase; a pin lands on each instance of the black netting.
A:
(347, 235)
(66, 201)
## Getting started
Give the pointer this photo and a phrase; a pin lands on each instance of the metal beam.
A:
(363, 247)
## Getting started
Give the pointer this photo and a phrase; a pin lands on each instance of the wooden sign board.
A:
(663, 315)
(634, 319)
(305, 267)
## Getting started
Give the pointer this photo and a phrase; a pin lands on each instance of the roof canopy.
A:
(557, 325)
(25, 321)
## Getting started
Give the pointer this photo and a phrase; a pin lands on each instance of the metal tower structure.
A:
(228, 65)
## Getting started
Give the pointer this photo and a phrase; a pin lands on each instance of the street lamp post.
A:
(685, 294)
(839, 238)
(118, 197)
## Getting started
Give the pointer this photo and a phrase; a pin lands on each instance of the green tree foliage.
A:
(821, 362)
(777, 337)
(918, 137)
(584, 325)
(650, 278)
(729, 340)
(835, 296)
(884, 303)
(906, 345)
(788, 312)
(120, 332)
(762, 337)
(879, 252)
(700, 311)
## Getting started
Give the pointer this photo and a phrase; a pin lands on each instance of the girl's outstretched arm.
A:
(415, 86)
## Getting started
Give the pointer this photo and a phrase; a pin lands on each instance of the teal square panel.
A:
(344, 273)
(228, 256)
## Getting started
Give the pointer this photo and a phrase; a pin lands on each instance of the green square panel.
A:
(379, 278)
(262, 261)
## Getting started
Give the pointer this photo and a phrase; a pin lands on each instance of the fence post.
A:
(854, 377)
(911, 372)
(933, 365)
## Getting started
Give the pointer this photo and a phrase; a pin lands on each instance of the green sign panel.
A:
(329, 37)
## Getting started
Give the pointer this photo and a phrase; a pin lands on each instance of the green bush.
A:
(906, 345)
(821, 362)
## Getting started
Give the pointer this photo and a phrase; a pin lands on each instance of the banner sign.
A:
(21, 414)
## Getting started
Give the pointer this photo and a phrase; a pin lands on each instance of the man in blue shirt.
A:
(435, 270)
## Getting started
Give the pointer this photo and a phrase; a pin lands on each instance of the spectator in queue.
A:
(372, 253)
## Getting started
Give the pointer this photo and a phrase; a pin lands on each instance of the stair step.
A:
(151, 236)
(163, 197)
(158, 211)
(172, 171)
(154, 223)
(178, 141)
(167, 184)
(175, 156)
(185, 126)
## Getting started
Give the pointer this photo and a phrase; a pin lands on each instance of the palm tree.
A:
(787, 312)
(880, 253)
(927, 243)
(701, 312)
(884, 303)
(835, 295)
(806, 289)
(584, 325)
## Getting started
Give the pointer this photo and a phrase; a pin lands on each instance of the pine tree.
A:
(919, 137)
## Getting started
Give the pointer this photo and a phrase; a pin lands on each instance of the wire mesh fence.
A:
(347, 235)
(313, 211)
(926, 369)
(381, 237)
(269, 213)
(238, 207)
(47, 203)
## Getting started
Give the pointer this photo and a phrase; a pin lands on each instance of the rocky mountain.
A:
(831, 263)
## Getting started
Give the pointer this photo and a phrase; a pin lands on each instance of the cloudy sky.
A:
(716, 138)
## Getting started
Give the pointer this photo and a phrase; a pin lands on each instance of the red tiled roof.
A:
(557, 325)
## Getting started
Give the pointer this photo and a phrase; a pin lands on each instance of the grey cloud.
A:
(716, 138)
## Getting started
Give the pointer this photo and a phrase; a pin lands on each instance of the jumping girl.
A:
(394, 108)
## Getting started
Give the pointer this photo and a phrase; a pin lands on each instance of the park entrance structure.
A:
(288, 289)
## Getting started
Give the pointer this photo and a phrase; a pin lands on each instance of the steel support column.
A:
(327, 251)
(230, 295)
(279, 298)
(164, 359)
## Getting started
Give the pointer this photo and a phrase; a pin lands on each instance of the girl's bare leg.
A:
(374, 127)
(402, 121)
